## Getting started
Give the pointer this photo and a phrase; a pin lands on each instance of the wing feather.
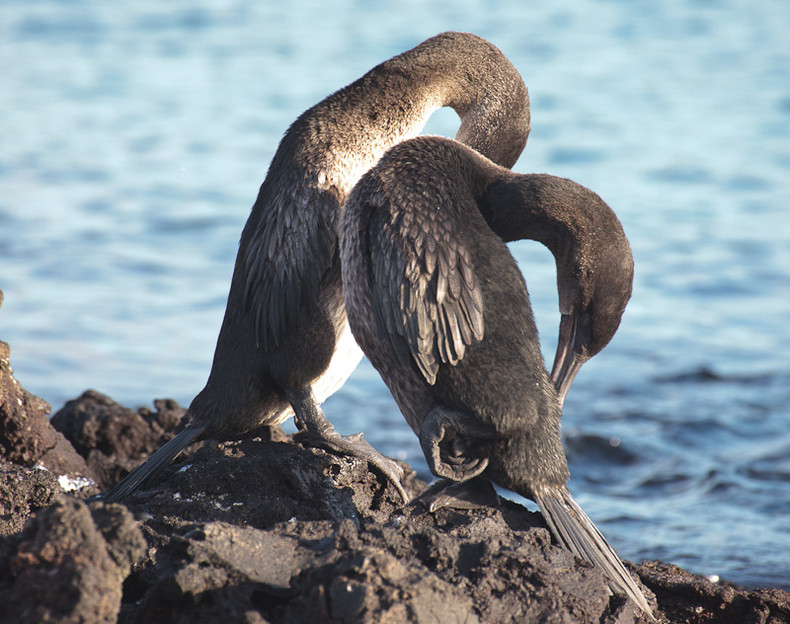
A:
(287, 247)
(426, 297)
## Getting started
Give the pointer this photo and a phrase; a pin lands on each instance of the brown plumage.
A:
(284, 345)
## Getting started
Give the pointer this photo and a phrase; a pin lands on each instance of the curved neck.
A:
(595, 266)
(473, 77)
(580, 230)
(345, 134)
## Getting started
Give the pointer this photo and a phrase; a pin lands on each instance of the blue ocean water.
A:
(135, 136)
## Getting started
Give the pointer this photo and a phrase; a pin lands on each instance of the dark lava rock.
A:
(265, 530)
(693, 599)
(262, 531)
(22, 491)
(114, 439)
(26, 436)
(68, 565)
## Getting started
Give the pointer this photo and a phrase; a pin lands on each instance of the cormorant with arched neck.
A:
(284, 345)
(439, 306)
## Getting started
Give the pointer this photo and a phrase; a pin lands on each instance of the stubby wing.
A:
(426, 297)
(286, 253)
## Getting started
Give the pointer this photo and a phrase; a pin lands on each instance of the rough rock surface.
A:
(22, 491)
(260, 530)
(112, 438)
(69, 564)
(26, 436)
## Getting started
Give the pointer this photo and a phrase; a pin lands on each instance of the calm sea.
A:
(135, 136)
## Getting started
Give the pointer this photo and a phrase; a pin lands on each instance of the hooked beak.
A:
(568, 360)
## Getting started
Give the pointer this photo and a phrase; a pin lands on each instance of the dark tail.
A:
(574, 530)
(152, 466)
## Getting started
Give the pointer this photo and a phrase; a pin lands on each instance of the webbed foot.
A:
(472, 494)
(315, 430)
(449, 444)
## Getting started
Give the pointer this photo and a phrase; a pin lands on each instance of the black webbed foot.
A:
(472, 494)
(315, 430)
(451, 445)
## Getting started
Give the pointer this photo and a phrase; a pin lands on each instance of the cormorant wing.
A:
(426, 298)
(287, 252)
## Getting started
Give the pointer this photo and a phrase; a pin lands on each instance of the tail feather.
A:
(574, 530)
(152, 466)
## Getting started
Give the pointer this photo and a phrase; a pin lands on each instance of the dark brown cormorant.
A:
(284, 345)
(439, 306)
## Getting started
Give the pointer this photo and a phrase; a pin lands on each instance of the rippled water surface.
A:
(135, 136)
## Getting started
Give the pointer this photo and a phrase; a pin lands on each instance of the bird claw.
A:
(472, 494)
(355, 445)
(316, 430)
(449, 453)
(456, 471)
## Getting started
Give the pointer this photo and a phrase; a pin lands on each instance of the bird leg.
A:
(316, 430)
